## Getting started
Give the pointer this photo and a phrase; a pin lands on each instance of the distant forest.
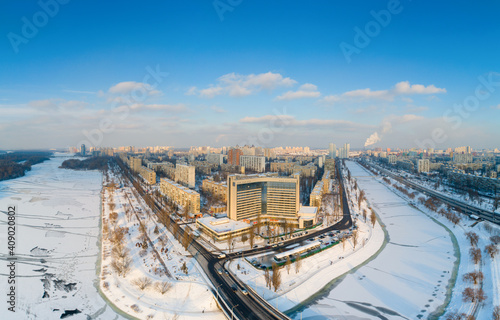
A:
(14, 165)
(94, 163)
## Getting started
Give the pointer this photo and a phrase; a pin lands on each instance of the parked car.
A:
(244, 291)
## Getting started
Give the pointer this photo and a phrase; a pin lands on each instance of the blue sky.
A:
(232, 72)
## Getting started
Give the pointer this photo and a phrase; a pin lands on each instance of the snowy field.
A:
(57, 243)
(407, 280)
(489, 267)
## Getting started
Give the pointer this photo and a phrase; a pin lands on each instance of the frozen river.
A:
(407, 280)
(57, 242)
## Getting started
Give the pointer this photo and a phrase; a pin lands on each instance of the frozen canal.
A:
(407, 280)
(57, 243)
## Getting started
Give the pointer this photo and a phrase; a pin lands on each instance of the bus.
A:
(282, 257)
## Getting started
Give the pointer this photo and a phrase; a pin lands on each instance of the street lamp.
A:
(232, 311)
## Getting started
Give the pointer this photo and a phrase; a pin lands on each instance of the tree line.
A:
(14, 165)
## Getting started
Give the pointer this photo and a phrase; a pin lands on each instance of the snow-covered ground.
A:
(189, 296)
(57, 243)
(407, 280)
(489, 267)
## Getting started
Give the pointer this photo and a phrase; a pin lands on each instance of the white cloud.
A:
(163, 107)
(217, 109)
(291, 121)
(57, 104)
(237, 85)
(496, 107)
(403, 88)
(191, 91)
(307, 90)
(132, 87)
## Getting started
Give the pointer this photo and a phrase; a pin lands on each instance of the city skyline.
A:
(199, 74)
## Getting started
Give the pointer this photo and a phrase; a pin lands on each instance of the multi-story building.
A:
(233, 156)
(392, 158)
(82, 150)
(181, 195)
(330, 165)
(268, 196)
(282, 167)
(148, 174)
(319, 190)
(215, 158)
(462, 157)
(332, 151)
(217, 189)
(423, 165)
(344, 151)
(160, 166)
(186, 175)
(255, 163)
(135, 164)
(308, 170)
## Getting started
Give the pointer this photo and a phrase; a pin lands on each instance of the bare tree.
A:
(373, 218)
(473, 295)
(298, 263)
(186, 239)
(492, 250)
(163, 287)
(244, 238)
(142, 282)
(473, 238)
(364, 214)
(251, 236)
(496, 313)
(267, 278)
(355, 238)
(475, 255)
(288, 264)
(229, 241)
(474, 277)
(361, 197)
(276, 277)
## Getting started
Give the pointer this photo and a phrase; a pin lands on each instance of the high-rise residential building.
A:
(268, 196)
(185, 175)
(233, 156)
(254, 163)
(332, 151)
(344, 151)
(82, 150)
(215, 158)
(423, 165)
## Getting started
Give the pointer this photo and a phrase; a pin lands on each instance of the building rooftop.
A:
(223, 224)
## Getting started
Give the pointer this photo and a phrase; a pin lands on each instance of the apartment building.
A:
(215, 158)
(423, 165)
(148, 175)
(181, 195)
(185, 175)
(233, 156)
(216, 189)
(255, 163)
